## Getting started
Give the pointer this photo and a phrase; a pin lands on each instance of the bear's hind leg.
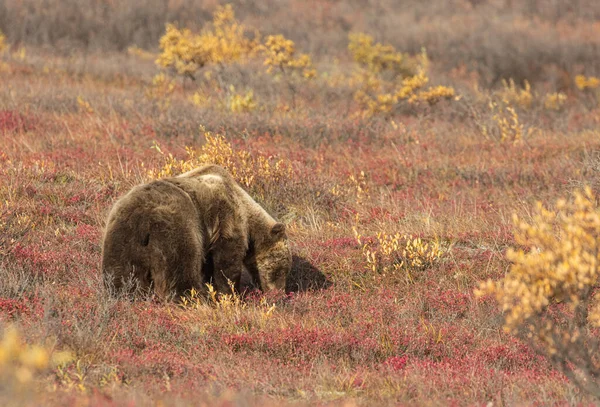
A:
(228, 263)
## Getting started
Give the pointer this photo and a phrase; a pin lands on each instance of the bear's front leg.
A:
(228, 261)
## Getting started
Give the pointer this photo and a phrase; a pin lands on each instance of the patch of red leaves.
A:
(14, 122)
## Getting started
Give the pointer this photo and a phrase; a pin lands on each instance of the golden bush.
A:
(411, 84)
(2, 43)
(561, 264)
(20, 363)
(280, 56)
(256, 172)
(582, 82)
(556, 269)
(377, 57)
(160, 90)
(505, 124)
(225, 42)
(241, 103)
(514, 96)
(396, 254)
(433, 95)
(555, 101)
(386, 77)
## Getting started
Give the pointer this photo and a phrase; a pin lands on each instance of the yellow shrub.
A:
(412, 84)
(555, 101)
(186, 52)
(160, 90)
(233, 45)
(241, 103)
(375, 104)
(84, 105)
(2, 42)
(511, 95)
(377, 57)
(560, 265)
(377, 93)
(548, 296)
(399, 254)
(182, 52)
(255, 172)
(506, 124)
(19, 362)
(584, 83)
(434, 94)
(280, 56)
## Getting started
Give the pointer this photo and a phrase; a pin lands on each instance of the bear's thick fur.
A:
(178, 233)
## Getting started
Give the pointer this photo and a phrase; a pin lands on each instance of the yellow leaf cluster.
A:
(396, 253)
(160, 90)
(555, 101)
(241, 103)
(412, 84)
(559, 265)
(377, 93)
(375, 104)
(433, 95)
(186, 52)
(245, 168)
(512, 95)
(200, 99)
(20, 362)
(506, 124)
(377, 57)
(582, 82)
(84, 105)
(280, 54)
(2, 42)
(359, 185)
(216, 306)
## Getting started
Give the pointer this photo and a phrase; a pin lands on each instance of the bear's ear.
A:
(278, 231)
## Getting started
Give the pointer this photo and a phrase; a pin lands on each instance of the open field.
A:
(396, 211)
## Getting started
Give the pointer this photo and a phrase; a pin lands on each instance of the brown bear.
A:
(178, 233)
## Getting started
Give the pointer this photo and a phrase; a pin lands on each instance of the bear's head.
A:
(274, 259)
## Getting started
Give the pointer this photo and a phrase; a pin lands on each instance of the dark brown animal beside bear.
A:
(178, 233)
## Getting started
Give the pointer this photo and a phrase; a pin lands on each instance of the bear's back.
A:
(216, 178)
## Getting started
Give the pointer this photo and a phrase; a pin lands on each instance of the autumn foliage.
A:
(548, 296)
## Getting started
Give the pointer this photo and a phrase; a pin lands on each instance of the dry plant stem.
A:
(291, 86)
